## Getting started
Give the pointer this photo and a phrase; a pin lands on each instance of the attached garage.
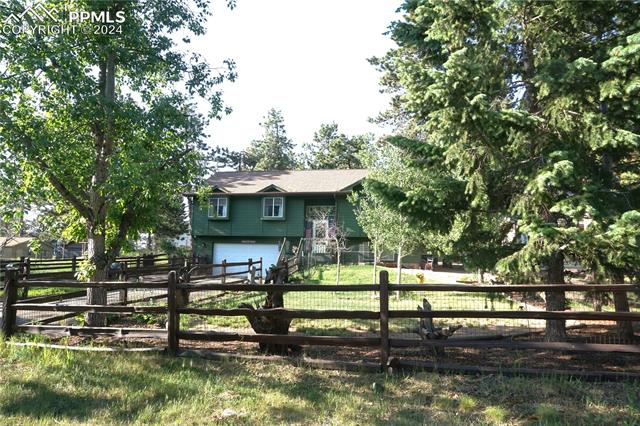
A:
(241, 252)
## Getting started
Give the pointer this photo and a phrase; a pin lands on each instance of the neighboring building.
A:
(14, 247)
(17, 247)
(250, 214)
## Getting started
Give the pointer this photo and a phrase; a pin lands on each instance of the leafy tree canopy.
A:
(105, 128)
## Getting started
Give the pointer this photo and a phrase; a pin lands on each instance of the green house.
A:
(252, 214)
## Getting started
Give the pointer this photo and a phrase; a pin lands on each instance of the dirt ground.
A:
(498, 357)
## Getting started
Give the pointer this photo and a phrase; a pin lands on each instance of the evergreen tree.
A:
(331, 149)
(275, 150)
(532, 107)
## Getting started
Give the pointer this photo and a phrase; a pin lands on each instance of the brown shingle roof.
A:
(289, 181)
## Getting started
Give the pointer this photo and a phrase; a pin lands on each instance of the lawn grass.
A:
(61, 387)
(352, 274)
(49, 291)
(355, 300)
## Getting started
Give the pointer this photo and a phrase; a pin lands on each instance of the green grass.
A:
(61, 387)
(352, 300)
(352, 274)
(48, 291)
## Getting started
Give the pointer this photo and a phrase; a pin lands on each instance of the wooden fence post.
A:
(252, 275)
(261, 271)
(23, 268)
(173, 318)
(10, 297)
(74, 264)
(124, 293)
(384, 319)
(27, 271)
(224, 271)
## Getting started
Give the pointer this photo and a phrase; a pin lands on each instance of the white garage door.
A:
(236, 252)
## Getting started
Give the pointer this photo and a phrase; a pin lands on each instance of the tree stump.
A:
(272, 325)
(428, 331)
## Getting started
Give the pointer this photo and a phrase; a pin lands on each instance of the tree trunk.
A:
(399, 266)
(375, 259)
(621, 303)
(338, 267)
(96, 229)
(555, 300)
(97, 296)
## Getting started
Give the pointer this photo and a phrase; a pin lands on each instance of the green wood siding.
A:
(245, 219)
(347, 218)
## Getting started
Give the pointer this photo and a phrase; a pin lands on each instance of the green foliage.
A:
(331, 149)
(519, 129)
(103, 130)
(386, 227)
(275, 150)
(86, 270)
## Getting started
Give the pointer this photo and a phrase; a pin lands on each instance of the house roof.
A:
(287, 181)
(14, 241)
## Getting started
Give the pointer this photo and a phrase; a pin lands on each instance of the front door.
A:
(320, 233)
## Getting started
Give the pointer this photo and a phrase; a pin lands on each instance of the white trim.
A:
(214, 214)
(273, 216)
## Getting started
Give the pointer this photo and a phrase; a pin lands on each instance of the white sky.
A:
(306, 58)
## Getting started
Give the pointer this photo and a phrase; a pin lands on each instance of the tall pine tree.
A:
(274, 151)
(533, 107)
(331, 149)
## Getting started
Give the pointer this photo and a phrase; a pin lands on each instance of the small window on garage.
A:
(218, 207)
(273, 207)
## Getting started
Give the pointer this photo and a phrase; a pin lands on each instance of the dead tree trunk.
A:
(428, 331)
(272, 325)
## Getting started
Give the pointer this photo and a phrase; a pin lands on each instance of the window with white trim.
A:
(218, 207)
(273, 207)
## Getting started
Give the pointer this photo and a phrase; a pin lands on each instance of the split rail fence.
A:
(67, 268)
(385, 310)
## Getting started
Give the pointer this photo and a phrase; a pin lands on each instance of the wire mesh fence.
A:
(479, 320)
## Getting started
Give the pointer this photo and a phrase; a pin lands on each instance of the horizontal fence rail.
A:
(375, 316)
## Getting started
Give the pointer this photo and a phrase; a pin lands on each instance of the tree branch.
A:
(123, 229)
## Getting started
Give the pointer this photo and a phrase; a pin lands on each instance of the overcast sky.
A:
(306, 58)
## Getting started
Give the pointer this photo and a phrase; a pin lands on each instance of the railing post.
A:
(27, 271)
(224, 271)
(173, 318)
(10, 297)
(74, 264)
(261, 269)
(252, 271)
(384, 319)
